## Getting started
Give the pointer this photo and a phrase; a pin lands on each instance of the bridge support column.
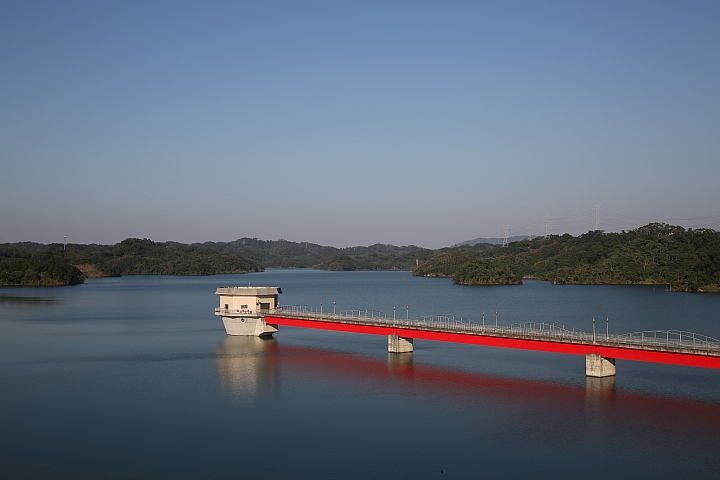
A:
(398, 344)
(599, 366)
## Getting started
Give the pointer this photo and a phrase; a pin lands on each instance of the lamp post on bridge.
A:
(334, 308)
(393, 313)
(593, 329)
(407, 312)
(320, 308)
(496, 315)
(483, 319)
(607, 328)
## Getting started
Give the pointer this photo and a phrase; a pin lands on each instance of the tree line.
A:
(287, 254)
(686, 260)
(657, 253)
(35, 264)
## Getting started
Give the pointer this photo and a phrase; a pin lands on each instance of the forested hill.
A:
(286, 254)
(687, 260)
(37, 272)
(23, 264)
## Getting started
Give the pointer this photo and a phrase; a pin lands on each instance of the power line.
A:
(570, 220)
(664, 221)
(596, 219)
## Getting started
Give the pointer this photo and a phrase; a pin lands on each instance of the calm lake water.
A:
(135, 377)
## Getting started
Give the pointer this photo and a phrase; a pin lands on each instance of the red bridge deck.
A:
(695, 352)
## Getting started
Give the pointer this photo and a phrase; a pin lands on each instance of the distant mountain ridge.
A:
(287, 254)
(658, 254)
(491, 241)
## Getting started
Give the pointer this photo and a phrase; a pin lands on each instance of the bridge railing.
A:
(671, 338)
(666, 339)
(443, 322)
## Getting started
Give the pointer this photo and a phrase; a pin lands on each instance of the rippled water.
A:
(135, 377)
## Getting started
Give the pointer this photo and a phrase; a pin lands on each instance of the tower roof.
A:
(248, 291)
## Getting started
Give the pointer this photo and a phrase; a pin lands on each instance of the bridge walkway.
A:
(660, 346)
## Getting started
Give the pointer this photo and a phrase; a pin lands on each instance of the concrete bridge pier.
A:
(398, 344)
(599, 366)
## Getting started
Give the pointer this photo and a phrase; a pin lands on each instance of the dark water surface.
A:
(135, 377)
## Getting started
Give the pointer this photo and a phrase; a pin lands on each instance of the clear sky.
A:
(353, 123)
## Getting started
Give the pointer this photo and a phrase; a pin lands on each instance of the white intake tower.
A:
(242, 309)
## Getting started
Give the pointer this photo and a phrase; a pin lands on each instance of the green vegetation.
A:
(29, 265)
(373, 261)
(286, 254)
(487, 271)
(37, 272)
(145, 257)
(450, 260)
(35, 264)
(687, 260)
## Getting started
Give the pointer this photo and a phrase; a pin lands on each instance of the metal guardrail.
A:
(234, 311)
(657, 340)
(237, 311)
(668, 338)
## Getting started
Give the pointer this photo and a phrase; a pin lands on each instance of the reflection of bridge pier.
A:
(245, 367)
(600, 387)
(602, 402)
(399, 370)
(250, 370)
(400, 364)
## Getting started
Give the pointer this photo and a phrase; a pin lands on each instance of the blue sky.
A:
(352, 123)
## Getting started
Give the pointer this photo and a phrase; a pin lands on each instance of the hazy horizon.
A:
(498, 240)
(424, 123)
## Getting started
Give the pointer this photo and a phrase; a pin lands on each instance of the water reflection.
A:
(15, 300)
(249, 366)
(400, 364)
(246, 367)
(600, 387)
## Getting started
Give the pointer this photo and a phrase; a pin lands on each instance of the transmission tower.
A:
(505, 232)
(546, 226)
(597, 216)
(530, 233)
